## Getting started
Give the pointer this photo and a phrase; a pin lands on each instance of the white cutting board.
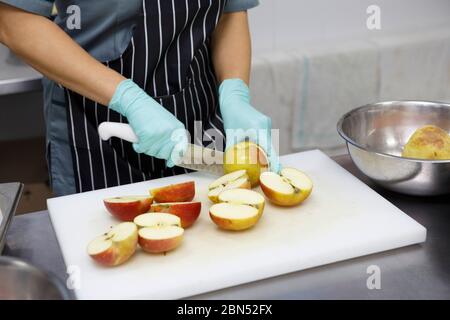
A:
(342, 219)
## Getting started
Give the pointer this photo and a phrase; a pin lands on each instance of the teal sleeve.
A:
(240, 5)
(41, 7)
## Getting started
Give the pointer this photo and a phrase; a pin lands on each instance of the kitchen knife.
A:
(196, 158)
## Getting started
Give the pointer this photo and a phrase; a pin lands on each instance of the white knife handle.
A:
(106, 130)
(196, 157)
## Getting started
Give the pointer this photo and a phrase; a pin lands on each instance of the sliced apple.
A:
(160, 239)
(157, 220)
(289, 188)
(243, 196)
(233, 180)
(246, 156)
(116, 246)
(188, 212)
(181, 192)
(159, 232)
(230, 216)
(126, 208)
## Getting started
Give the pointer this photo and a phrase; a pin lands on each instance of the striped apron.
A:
(169, 57)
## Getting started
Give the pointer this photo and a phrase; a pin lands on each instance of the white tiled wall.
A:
(287, 24)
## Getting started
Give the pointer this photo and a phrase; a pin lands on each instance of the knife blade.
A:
(196, 158)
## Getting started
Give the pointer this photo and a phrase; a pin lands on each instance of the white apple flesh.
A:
(243, 196)
(234, 217)
(157, 219)
(159, 232)
(160, 239)
(233, 180)
(289, 188)
(116, 246)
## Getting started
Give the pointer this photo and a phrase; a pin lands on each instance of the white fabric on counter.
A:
(274, 89)
(415, 66)
(336, 79)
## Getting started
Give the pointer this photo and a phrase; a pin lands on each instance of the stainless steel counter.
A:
(414, 272)
(16, 76)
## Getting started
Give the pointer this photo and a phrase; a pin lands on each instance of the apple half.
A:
(180, 192)
(160, 239)
(159, 232)
(288, 188)
(159, 219)
(246, 156)
(188, 212)
(126, 208)
(233, 180)
(243, 196)
(235, 217)
(116, 246)
(239, 209)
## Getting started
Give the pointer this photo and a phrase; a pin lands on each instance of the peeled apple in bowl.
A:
(246, 156)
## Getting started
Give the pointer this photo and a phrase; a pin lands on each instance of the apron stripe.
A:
(186, 120)
(199, 103)
(74, 143)
(212, 96)
(202, 87)
(133, 52)
(100, 142)
(195, 117)
(155, 92)
(146, 45)
(121, 118)
(205, 75)
(152, 164)
(88, 144)
(111, 141)
(189, 119)
(178, 46)
(212, 76)
(167, 50)
(219, 11)
(191, 33)
(204, 20)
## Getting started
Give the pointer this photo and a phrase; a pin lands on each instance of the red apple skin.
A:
(127, 211)
(159, 246)
(118, 252)
(181, 192)
(188, 212)
(112, 257)
(106, 258)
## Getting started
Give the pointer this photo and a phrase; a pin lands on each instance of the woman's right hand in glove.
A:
(160, 134)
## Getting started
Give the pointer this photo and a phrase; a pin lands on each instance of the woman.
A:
(155, 64)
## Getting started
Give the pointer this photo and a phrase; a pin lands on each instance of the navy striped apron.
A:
(169, 57)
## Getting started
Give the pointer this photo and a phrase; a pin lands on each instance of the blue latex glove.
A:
(160, 134)
(242, 121)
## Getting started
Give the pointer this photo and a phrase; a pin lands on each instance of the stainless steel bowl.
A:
(376, 134)
(21, 281)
